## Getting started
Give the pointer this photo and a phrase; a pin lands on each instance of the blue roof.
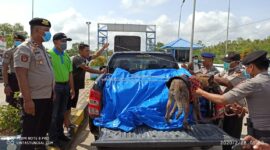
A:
(181, 44)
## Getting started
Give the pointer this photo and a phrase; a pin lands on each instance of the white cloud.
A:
(139, 5)
(13, 13)
(210, 27)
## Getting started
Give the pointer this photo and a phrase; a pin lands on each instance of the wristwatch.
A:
(6, 84)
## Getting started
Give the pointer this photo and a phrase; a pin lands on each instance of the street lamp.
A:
(228, 23)
(32, 9)
(178, 35)
(88, 25)
(192, 31)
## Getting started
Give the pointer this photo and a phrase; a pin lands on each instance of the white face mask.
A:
(196, 61)
(237, 66)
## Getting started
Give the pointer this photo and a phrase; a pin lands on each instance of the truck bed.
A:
(200, 135)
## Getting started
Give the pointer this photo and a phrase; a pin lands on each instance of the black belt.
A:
(62, 83)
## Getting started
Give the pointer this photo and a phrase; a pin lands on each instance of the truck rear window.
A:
(138, 62)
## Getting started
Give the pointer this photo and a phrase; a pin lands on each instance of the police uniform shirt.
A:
(212, 71)
(8, 59)
(40, 75)
(235, 77)
(257, 93)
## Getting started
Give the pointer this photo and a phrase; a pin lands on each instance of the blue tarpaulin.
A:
(131, 100)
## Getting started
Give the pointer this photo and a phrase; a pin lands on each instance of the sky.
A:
(70, 16)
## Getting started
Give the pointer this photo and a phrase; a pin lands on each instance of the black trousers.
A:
(72, 103)
(13, 84)
(232, 125)
(61, 97)
(35, 128)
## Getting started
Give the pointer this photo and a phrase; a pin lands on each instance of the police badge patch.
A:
(24, 58)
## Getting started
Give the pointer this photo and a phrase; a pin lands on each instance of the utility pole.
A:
(228, 23)
(32, 9)
(178, 35)
(192, 31)
(88, 25)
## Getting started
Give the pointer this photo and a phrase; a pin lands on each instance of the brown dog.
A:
(181, 93)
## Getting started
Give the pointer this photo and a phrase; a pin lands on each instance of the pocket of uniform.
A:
(39, 59)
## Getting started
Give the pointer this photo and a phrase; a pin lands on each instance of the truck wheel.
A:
(93, 129)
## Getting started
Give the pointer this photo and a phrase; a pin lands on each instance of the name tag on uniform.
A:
(39, 59)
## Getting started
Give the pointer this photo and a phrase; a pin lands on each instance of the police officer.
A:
(208, 67)
(229, 78)
(9, 77)
(256, 91)
(208, 110)
(35, 78)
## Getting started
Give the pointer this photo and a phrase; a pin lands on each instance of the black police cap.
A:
(254, 56)
(40, 22)
(19, 36)
(208, 55)
(231, 56)
(61, 36)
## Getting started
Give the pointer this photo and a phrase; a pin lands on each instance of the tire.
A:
(93, 129)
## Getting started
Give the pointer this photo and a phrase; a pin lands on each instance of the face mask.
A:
(196, 61)
(233, 68)
(226, 66)
(64, 46)
(47, 36)
(17, 43)
(246, 74)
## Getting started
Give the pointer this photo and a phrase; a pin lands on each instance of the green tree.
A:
(74, 49)
(158, 47)
(240, 45)
(201, 43)
(8, 30)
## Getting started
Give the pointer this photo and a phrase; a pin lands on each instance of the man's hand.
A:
(184, 66)
(223, 81)
(99, 52)
(7, 90)
(105, 46)
(72, 94)
(104, 70)
(255, 144)
(237, 109)
(199, 91)
(218, 79)
(29, 107)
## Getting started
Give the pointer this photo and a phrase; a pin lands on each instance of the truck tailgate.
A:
(200, 135)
